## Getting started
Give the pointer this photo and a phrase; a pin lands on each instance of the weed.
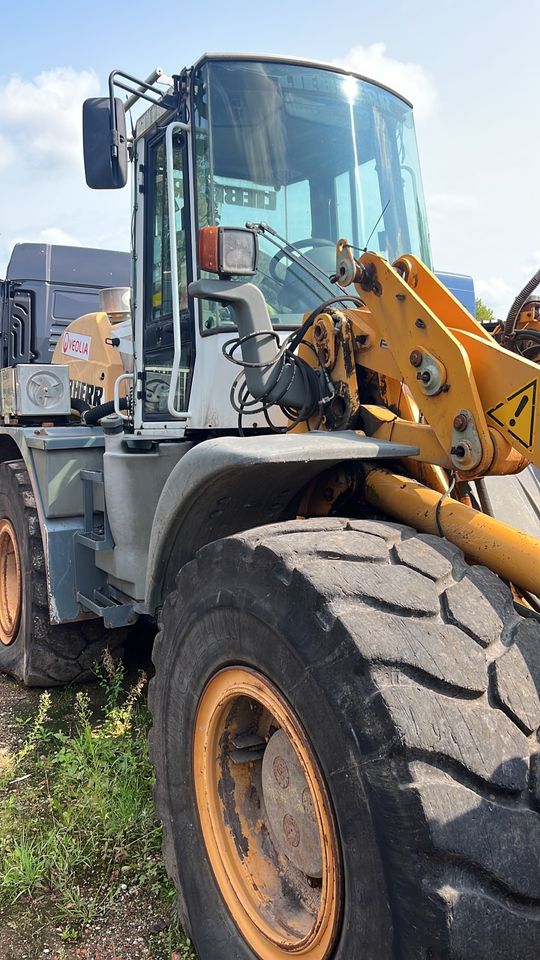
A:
(68, 934)
(77, 823)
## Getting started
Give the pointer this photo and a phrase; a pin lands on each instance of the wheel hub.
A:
(289, 806)
(10, 583)
(266, 818)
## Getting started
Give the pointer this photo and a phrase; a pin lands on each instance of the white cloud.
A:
(44, 196)
(500, 294)
(409, 79)
(57, 235)
(445, 203)
(41, 118)
(46, 235)
(531, 265)
(7, 153)
(496, 293)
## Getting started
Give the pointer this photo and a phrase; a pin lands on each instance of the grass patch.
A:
(77, 827)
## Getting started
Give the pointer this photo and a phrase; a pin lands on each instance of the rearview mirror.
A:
(104, 143)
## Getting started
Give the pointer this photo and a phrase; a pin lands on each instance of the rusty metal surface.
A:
(279, 908)
(10, 583)
(289, 806)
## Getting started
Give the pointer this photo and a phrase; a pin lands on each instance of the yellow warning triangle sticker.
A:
(516, 414)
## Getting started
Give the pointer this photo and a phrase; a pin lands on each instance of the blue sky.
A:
(469, 68)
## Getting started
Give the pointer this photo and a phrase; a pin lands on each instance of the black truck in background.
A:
(46, 287)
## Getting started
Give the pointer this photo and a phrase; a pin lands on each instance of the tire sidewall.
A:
(13, 656)
(224, 630)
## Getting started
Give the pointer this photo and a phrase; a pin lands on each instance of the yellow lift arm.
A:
(481, 401)
(443, 385)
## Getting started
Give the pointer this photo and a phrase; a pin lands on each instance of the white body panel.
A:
(210, 405)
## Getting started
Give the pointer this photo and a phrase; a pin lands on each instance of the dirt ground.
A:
(132, 927)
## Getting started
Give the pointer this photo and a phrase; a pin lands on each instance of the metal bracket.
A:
(114, 612)
(90, 537)
(466, 449)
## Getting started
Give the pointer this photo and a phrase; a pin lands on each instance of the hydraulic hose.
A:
(80, 406)
(96, 413)
(513, 313)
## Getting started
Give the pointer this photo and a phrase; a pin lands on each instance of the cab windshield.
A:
(317, 155)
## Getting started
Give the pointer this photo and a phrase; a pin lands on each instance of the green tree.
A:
(484, 313)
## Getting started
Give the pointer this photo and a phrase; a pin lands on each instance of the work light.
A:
(229, 251)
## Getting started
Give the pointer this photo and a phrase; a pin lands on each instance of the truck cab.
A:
(46, 287)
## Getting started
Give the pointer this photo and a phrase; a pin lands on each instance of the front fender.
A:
(229, 484)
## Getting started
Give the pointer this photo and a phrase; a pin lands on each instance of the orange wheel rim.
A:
(266, 818)
(10, 583)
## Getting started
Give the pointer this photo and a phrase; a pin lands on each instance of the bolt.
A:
(415, 358)
(307, 803)
(291, 831)
(461, 422)
(420, 324)
(281, 772)
(400, 296)
(425, 377)
(458, 451)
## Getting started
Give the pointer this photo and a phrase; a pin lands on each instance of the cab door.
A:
(166, 371)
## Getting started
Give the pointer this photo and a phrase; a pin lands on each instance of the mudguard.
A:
(229, 484)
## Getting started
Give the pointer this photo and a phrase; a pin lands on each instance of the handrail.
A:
(177, 333)
(116, 395)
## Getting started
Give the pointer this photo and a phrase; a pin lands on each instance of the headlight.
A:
(229, 251)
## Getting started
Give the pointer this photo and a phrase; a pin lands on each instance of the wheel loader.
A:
(292, 466)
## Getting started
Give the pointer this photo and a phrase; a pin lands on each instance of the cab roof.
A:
(156, 112)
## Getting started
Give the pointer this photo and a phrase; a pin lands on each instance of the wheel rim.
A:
(266, 818)
(10, 583)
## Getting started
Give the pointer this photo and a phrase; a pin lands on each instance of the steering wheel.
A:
(309, 243)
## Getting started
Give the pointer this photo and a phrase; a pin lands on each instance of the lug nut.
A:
(461, 422)
(415, 358)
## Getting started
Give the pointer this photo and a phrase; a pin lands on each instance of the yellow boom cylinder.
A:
(508, 552)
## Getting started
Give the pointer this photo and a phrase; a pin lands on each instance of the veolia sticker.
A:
(76, 345)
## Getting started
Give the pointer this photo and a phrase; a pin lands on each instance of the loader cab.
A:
(310, 151)
(315, 154)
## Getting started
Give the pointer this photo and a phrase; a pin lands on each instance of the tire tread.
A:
(58, 653)
(428, 672)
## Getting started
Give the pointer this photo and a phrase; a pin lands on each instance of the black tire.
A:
(43, 655)
(418, 685)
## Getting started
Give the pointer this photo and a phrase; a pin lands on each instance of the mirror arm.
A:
(140, 90)
(157, 76)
